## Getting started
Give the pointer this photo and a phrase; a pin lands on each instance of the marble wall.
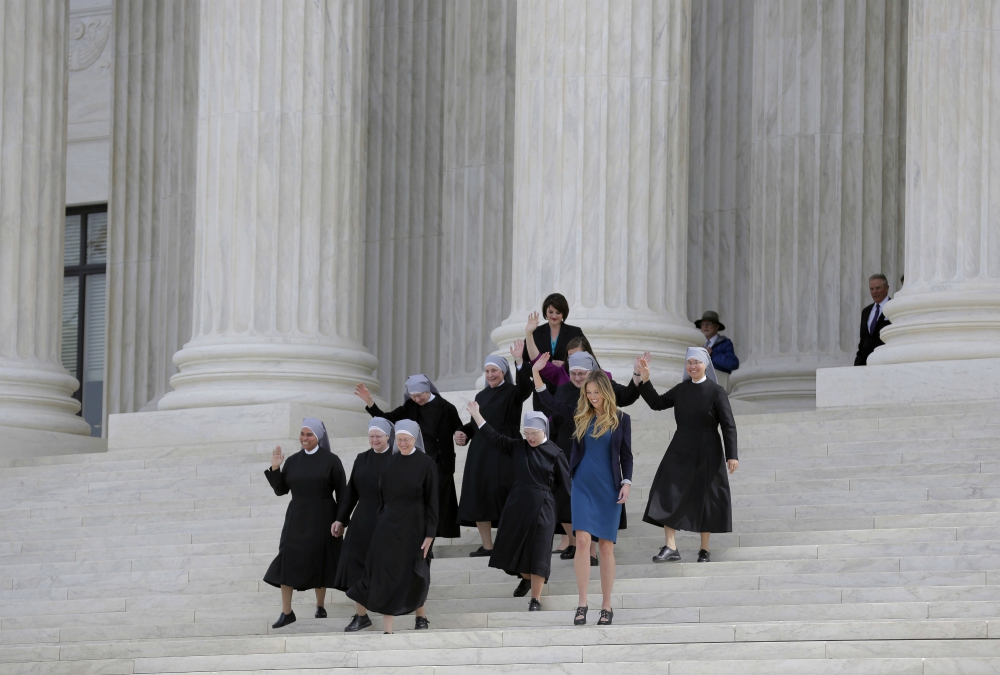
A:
(91, 52)
(478, 185)
(402, 216)
(825, 195)
(719, 172)
(151, 213)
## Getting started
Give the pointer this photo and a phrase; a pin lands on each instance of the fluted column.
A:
(478, 190)
(403, 201)
(950, 306)
(35, 390)
(601, 175)
(719, 186)
(151, 214)
(825, 206)
(279, 207)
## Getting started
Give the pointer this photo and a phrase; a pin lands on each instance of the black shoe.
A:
(421, 623)
(667, 554)
(359, 622)
(534, 606)
(581, 616)
(560, 551)
(522, 588)
(593, 561)
(606, 616)
(704, 556)
(321, 612)
(568, 554)
(284, 619)
(481, 553)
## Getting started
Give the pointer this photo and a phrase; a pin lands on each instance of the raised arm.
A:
(361, 391)
(504, 443)
(625, 396)
(654, 400)
(529, 336)
(275, 476)
(548, 400)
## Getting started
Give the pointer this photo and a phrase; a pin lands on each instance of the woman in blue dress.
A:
(601, 468)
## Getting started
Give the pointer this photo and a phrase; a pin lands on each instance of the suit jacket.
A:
(543, 340)
(724, 356)
(869, 341)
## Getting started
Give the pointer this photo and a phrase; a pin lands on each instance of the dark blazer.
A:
(869, 341)
(621, 441)
(724, 356)
(543, 340)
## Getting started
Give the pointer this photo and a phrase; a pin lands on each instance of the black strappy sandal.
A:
(581, 616)
(606, 616)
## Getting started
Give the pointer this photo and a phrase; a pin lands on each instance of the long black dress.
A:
(396, 575)
(358, 510)
(690, 490)
(308, 552)
(541, 484)
(438, 420)
(488, 474)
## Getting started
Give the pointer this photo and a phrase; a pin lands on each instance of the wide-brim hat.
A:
(710, 316)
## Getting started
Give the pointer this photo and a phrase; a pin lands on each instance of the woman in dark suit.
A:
(601, 470)
(552, 336)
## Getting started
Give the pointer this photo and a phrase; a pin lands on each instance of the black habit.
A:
(690, 490)
(563, 428)
(396, 575)
(488, 473)
(870, 339)
(438, 420)
(362, 500)
(541, 483)
(307, 552)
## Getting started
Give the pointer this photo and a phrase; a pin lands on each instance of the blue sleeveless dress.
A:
(595, 501)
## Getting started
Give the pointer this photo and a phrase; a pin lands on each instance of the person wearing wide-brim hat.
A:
(690, 490)
(719, 347)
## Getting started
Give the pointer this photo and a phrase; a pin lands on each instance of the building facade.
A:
(301, 195)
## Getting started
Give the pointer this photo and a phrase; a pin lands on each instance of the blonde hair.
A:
(585, 412)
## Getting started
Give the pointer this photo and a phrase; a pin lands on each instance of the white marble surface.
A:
(825, 187)
(600, 188)
(279, 217)
(151, 214)
(35, 390)
(950, 306)
(908, 383)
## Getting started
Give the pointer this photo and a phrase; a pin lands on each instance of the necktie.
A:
(876, 312)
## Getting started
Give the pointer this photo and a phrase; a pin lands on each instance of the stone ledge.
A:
(18, 443)
(972, 380)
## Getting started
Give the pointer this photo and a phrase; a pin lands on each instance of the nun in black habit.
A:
(488, 474)
(358, 511)
(307, 552)
(690, 490)
(541, 471)
(438, 420)
(397, 572)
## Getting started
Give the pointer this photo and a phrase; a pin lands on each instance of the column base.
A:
(39, 396)
(270, 423)
(909, 383)
(781, 384)
(20, 443)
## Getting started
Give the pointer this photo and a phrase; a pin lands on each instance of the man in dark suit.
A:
(873, 318)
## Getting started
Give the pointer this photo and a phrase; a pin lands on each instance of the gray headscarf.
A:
(501, 363)
(385, 426)
(413, 429)
(582, 361)
(418, 384)
(319, 430)
(701, 354)
(536, 420)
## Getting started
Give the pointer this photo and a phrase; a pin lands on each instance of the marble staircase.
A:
(865, 541)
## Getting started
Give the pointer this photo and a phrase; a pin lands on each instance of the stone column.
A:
(279, 209)
(825, 205)
(950, 306)
(35, 390)
(151, 214)
(403, 202)
(478, 192)
(601, 182)
(719, 189)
